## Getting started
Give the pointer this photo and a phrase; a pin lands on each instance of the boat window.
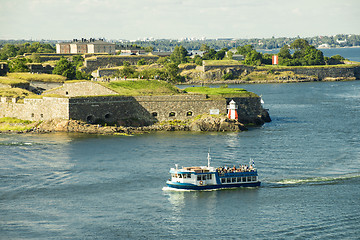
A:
(229, 180)
(244, 179)
(189, 176)
(254, 178)
(238, 179)
(180, 175)
(249, 179)
(209, 176)
(204, 177)
(223, 180)
(199, 177)
(234, 179)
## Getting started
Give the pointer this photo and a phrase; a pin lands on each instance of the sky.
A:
(176, 19)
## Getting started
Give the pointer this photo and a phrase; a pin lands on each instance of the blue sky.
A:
(174, 19)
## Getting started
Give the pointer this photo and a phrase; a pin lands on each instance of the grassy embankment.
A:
(142, 87)
(16, 125)
(37, 77)
(221, 92)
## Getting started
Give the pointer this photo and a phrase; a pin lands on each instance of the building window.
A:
(41, 115)
(172, 114)
(66, 93)
(154, 114)
(32, 115)
(189, 114)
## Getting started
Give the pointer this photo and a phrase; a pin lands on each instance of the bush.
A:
(228, 76)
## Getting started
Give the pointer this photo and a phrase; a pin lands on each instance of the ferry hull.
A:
(185, 186)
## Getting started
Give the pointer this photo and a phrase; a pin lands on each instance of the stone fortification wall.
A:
(215, 72)
(4, 68)
(96, 62)
(85, 88)
(104, 72)
(327, 72)
(141, 110)
(147, 109)
(40, 68)
(36, 109)
(206, 68)
(150, 109)
(250, 110)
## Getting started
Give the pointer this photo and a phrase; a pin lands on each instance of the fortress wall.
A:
(36, 109)
(148, 109)
(4, 68)
(40, 68)
(324, 72)
(85, 88)
(249, 109)
(159, 108)
(94, 63)
(121, 109)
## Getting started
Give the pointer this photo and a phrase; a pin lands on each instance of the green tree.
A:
(244, 50)
(141, 62)
(220, 54)
(284, 52)
(253, 58)
(209, 55)
(313, 56)
(204, 47)
(65, 68)
(149, 49)
(179, 55)
(18, 65)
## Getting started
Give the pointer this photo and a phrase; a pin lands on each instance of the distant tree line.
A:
(12, 50)
(339, 40)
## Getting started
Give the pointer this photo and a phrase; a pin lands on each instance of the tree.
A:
(149, 49)
(204, 47)
(179, 55)
(209, 55)
(244, 50)
(65, 68)
(284, 52)
(220, 54)
(313, 56)
(141, 62)
(253, 58)
(18, 65)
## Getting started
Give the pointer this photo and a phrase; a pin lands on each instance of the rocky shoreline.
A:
(207, 123)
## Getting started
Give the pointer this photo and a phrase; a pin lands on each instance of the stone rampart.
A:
(326, 71)
(84, 88)
(4, 68)
(96, 62)
(40, 68)
(122, 110)
(46, 108)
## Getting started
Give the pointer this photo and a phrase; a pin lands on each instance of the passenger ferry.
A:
(207, 177)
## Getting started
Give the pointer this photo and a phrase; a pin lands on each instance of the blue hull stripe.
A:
(206, 187)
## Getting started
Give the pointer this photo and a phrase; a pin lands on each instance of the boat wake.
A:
(313, 181)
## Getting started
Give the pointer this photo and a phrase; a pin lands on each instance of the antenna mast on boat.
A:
(209, 158)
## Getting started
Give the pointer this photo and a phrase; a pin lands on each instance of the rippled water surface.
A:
(68, 186)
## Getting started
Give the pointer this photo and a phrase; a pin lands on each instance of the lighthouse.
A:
(232, 110)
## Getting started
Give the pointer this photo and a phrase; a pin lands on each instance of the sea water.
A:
(77, 186)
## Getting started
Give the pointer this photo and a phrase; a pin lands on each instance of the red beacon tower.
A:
(275, 60)
(232, 110)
